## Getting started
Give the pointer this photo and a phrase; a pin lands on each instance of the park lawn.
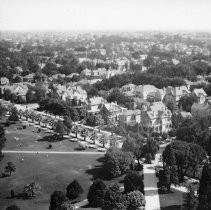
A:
(54, 172)
(33, 141)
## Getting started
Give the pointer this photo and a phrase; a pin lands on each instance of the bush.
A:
(148, 158)
(135, 200)
(13, 207)
(96, 193)
(114, 199)
(118, 162)
(74, 189)
(57, 199)
(133, 181)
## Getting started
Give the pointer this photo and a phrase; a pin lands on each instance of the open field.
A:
(30, 139)
(54, 172)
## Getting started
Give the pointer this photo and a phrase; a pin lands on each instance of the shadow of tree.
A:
(174, 207)
(99, 171)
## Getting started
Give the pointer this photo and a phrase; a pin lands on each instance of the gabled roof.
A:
(197, 106)
(96, 100)
(199, 92)
(131, 112)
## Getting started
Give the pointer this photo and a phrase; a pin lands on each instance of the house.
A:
(77, 94)
(170, 99)
(130, 117)
(18, 69)
(185, 115)
(4, 81)
(200, 94)
(178, 92)
(143, 90)
(56, 76)
(157, 118)
(29, 78)
(113, 109)
(99, 72)
(86, 72)
(93, 104)
(128, 87)
(19, 89)
(201, 110)
(155, 95)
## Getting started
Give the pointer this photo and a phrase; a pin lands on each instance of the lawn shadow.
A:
(99, 171)
(173, 207)
(51, 138)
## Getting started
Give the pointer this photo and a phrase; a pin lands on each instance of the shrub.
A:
(135, 200)
(133, 181)
(96, 193)
(13, 207)
(74, 189)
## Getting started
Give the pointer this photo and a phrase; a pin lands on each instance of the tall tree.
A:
(10, 167)
(74, 189)
(57, 199)
(103, 139)
(96, 193)
(2, 141)
(93, 136)
(205, 188)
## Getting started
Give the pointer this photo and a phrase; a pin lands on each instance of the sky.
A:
(111, 15)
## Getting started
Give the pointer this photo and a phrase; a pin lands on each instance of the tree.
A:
(96, 193)
(191, 200)
(118, 162)
(13, 97)
(13, 207)
(90, 120)
(17, 79)
(30, 97)
(93, 136)
(74, 115)
(103, 139)
(7, 94)
(114, 199)
(68, 123)
(135, 200)
(2, 109)
(10, 167)
(76, 129)
(135, 146)
(105, 114)
(74, 189)
(205, 188)
(133, 181)
(113, 140)
(67, 205)
(14, 115)
(2, 141)
(30, 190)
(187, 101)
(183, 159)
(151, 147)
(60, 128)
(84, 133)
(57, 199)
(99, 121)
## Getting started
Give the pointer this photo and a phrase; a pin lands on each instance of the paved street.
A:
(49, 152)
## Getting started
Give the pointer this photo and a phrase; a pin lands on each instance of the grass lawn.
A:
(172, 200)
(26, 139)
(54, 172)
